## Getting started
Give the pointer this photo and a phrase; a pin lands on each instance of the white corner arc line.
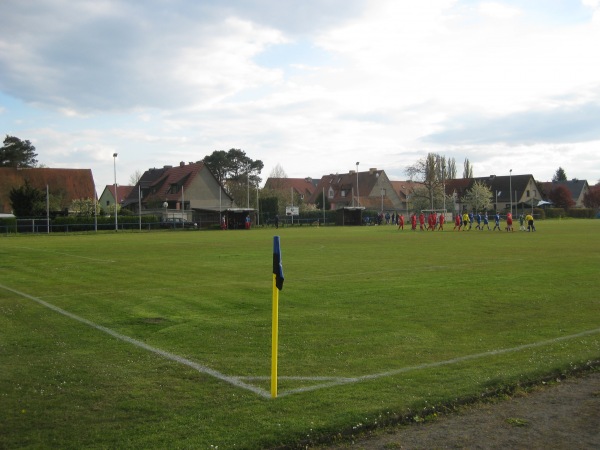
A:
(326, 381)
(194, 365)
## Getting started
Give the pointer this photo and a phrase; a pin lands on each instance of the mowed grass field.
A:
(163, 339)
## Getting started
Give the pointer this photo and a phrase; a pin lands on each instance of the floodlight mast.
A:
(510, 189)
(116, 196)
(357, 193)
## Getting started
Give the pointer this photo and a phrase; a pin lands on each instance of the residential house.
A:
(303, 188)
(370, 189)
(520, 191)
(107, 198)
(63, 185)
(577, 188)
(187, 191)
(405, 190)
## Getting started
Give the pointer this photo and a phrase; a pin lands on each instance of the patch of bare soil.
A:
(561, 415)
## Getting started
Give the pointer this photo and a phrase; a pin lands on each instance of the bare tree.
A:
(430, 171)
(135, 177)
(278, 172)
(451, 170)
(276, 176)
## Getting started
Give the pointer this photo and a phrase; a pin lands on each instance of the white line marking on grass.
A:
(447, 362)
(194, 365)
(326, 382)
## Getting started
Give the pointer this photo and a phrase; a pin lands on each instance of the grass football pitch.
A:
(163, 339)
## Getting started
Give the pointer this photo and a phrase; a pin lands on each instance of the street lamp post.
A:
(357, 193)
(116, 195)
(183, 215)
(444, 187)
(510, 189)
(248, 187)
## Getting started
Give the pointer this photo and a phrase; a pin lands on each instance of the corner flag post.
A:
(277, 286)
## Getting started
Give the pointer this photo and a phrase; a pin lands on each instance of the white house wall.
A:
(203, 193)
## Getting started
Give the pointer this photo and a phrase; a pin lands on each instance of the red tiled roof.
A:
(70, 184)
(344, 187)
(404, 188)
(179, 175)
(303, 186)
(122, 191)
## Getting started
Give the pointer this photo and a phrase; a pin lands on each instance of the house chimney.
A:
(182, 163)
(372, 170)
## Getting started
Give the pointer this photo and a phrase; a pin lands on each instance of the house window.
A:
(527, 192)
(343, 193)
(107, 202)
(330, 193)
(173, 189)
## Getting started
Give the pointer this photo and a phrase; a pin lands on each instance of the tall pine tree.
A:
(17, 153)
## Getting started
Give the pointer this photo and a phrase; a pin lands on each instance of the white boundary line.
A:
(447, 362)
(194, 365)
(326, 381)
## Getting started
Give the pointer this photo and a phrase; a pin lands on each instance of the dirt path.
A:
(565, 415)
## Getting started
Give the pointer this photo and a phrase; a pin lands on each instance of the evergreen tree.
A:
(321, 201)
(27, 201)
(236, 172)
(17, 153)
(560, 175)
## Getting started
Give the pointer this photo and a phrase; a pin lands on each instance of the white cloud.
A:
(312, 85)
(99, 59)
(497, 10)
(594, 4)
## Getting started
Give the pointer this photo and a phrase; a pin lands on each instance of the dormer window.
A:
(174, 188)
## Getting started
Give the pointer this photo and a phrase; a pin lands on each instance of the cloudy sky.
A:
(311, 85)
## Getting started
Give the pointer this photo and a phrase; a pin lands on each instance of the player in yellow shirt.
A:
(530, 225)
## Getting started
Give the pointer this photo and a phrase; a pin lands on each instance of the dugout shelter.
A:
(349, 215)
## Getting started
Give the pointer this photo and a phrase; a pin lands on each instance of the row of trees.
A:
(432, 172)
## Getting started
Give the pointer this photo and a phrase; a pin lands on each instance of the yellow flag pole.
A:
(274, 339)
